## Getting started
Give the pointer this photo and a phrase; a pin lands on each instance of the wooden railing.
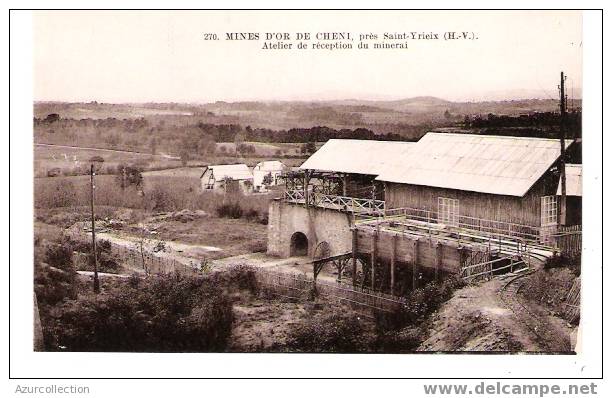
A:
(489, 228)
(569, 240)
(337, 202)
(487, 269)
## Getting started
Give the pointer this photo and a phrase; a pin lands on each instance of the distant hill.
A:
(409, 117)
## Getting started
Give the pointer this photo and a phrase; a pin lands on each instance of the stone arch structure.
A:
(316, 224)
(298, 245)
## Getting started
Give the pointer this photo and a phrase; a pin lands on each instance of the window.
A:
(549, 210)
(448, 211)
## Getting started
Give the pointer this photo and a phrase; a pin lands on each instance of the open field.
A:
(75, 160)
(263, 149)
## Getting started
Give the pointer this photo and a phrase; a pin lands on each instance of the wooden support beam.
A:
(439, 255)
(415, 264)
(393, 255)
(354, 256)
(374, 258)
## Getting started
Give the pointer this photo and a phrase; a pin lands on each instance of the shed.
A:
(271, 168)
(217, 176)
(462, 177)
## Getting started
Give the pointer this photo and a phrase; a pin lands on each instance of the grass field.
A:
(74, 161)
(70, 161)
(263, 148)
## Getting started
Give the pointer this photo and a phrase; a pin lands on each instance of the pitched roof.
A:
(233, 171)
(358, 156)
(480, 163)
(573, 180)
(270, 165)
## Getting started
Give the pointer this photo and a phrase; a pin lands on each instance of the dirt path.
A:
(548, 331)
(491, 317)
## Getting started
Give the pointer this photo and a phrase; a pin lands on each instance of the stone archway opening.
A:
(299, 244)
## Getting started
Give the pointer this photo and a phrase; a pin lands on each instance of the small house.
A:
(227, 177)
(266, 174)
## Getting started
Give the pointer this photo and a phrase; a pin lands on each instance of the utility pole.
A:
(562, 122)
(96, 284)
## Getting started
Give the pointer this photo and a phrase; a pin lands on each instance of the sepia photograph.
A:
(203, 183)
(273, 196)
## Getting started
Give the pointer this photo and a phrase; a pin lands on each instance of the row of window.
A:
(448, 210)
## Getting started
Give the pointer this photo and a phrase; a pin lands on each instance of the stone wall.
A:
(316, 223)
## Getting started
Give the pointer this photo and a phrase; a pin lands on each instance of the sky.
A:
(161, 56)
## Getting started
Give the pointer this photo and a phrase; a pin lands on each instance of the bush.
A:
(564, 262)
(419, 303)
(106, 260)
(333, 331)
(240, 277)
(54, 275)
(229, 210)
(169, 313)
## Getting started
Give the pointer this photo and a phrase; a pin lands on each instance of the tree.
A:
(128, 176)
(52, 118)
(267, 180)
(308, 148)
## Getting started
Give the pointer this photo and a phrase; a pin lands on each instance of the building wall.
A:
(524, 210)
(259, 175)
(318, 224)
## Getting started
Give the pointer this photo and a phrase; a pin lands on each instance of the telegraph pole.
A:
(562, 122)
(96, 282)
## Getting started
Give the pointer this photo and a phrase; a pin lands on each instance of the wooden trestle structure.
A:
(410, 242)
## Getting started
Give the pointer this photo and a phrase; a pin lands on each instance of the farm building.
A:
(451, 202)
(221, 177)
(267, 174)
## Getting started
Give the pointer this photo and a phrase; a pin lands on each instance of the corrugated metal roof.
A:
(573, 180)
(358, 156)
(480, 163)
(233, 171)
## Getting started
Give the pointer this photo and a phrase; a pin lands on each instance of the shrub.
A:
(106, 259)
(54, 275)
(229, 210)
(419, 303)
(564, 262)
(241, 277)
(169, 313)
(332, 331)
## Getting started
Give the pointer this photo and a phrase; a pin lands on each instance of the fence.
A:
(569, 240)
(337, 202)
(489, 228)
(572, 303)
(301, 287)
(145, 262)
(487, 269)
(151, 264)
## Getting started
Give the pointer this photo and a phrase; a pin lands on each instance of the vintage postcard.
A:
(395, 182)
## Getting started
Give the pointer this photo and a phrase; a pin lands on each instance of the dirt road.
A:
(491, 317)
